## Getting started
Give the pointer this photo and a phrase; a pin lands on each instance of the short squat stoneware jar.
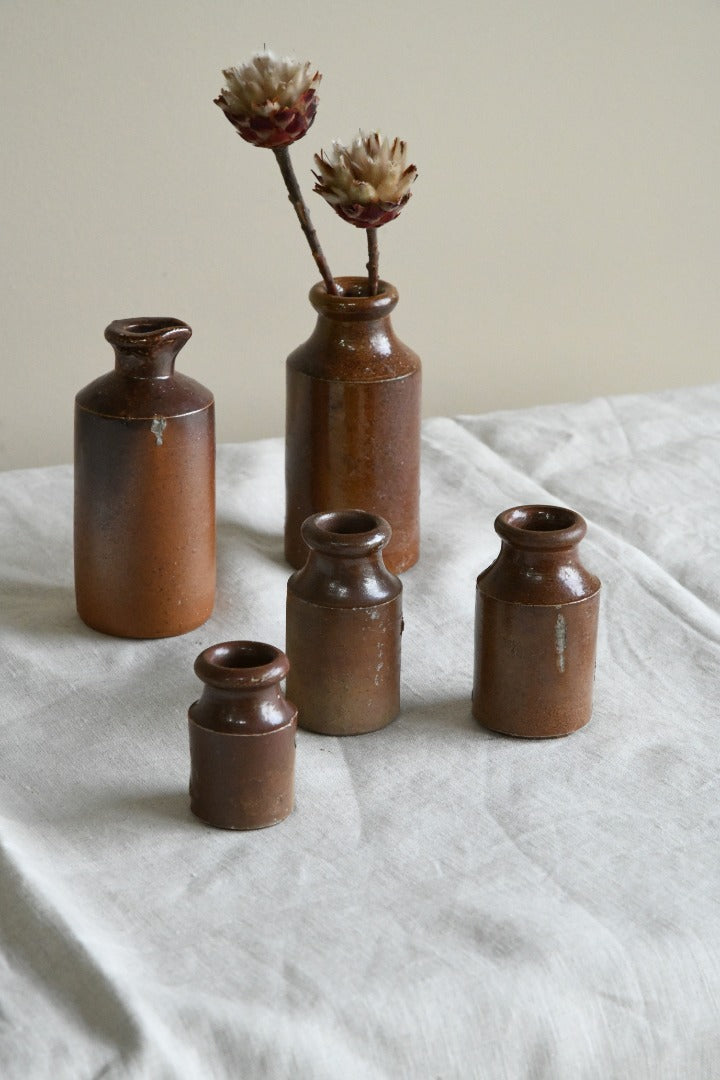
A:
(344, 621)
(353, 420)
(242, 737)
(536, 627)
(145, 488)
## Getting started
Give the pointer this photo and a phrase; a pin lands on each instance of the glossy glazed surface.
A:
(539, 561)
(353, 420)
(344, 625)
(345, 565)
(536, 627)
(145, 489)
(242, 737)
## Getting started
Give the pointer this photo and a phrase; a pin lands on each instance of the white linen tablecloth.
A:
(443, 902)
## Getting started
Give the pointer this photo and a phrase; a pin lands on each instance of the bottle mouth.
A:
(241, 665)
(146, 346)
(541, 527)
(354, 302)
(360, 286)
(346, 532)
(146, 330)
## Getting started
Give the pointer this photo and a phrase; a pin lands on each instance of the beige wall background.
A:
(563, 239)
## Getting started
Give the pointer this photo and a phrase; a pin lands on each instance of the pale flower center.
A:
(371, 169)
(267, 83)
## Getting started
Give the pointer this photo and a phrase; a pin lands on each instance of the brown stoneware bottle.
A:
(536, 627)
(344, 621)
(145, 488)
(353, 420)
(242, 737)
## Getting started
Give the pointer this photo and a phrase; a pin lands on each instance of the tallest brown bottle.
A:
(352, 435)
(145, 488)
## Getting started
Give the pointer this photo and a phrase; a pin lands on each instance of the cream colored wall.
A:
(563, 239)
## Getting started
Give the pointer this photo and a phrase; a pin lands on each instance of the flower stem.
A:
(282, 153)
(373, 261)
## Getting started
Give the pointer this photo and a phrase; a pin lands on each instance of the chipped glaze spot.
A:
(560, 641)
(157, 428)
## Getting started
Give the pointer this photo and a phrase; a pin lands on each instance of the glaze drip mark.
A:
(560, 641)
(157, 428)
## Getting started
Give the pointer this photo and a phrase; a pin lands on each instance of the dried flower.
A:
(270, 101)
(368, 182)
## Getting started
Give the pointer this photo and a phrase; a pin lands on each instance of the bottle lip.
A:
(146, 331)
(353, 303)
(541, 527)
(241, 665)
(146, 346)
(346, 532)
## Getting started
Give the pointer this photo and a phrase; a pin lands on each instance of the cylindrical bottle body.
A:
(354, 444)
(536, 621)
(534, 665)
(353, 422)
(242, 781)
(345, 665)
(144, 523)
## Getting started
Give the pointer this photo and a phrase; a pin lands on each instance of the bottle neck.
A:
(146, 348)
(353, 321)
(345, 566)
(151, 366)
(242, 688)
(533, 560)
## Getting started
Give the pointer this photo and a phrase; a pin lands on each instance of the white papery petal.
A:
(267, 83)
(371, 169)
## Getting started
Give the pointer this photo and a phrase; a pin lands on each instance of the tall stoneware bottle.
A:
(343, 626)
(536, 627)
(353, 420)
(145, 488)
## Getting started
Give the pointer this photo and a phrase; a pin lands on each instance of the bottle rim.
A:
(248, 665)
(541, 527)
(351, 533)
(353, 303)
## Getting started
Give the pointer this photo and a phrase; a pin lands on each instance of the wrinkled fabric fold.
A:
(442, 901)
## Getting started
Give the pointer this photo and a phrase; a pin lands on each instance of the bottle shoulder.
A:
(348, 587)
(241, 714)
(560, 582)
(116, 395)
(353, 352)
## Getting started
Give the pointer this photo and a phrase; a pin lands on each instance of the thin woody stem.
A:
(282, 153)
(373, 261)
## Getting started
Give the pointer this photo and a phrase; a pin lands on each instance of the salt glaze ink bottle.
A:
(242, 737)
(536, 627)
(145, 488)
(352, 433)
(344, 621)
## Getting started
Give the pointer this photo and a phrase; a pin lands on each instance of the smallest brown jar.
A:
(536, 626)
(242, 737)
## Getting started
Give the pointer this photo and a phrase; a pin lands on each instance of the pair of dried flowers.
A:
(271, 102)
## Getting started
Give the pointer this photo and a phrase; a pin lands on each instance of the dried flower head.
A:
(368, 182)
(271, 101)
